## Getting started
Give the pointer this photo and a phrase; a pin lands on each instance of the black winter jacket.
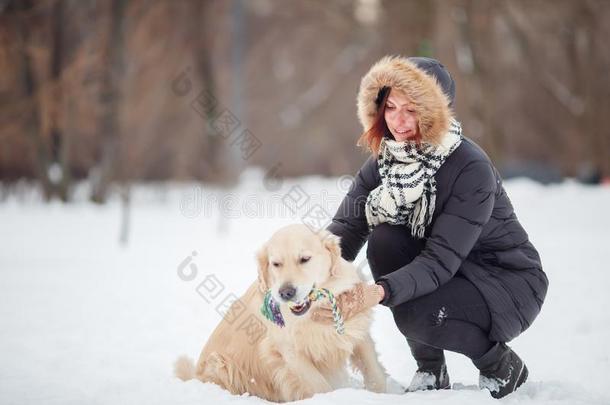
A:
(474, 230)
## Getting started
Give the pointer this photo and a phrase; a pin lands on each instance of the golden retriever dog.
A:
(303, 357)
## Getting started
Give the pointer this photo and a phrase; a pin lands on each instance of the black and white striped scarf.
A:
(407, 193)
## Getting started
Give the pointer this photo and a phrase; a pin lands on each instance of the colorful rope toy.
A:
(271, 310)
(318, 293)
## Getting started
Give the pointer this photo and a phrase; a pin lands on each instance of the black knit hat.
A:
(436, 69)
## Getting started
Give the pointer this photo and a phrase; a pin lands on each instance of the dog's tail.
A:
(184, 368)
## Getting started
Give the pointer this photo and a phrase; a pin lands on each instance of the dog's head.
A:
(294, 261)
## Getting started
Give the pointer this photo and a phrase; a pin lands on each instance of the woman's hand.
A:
(351, 302)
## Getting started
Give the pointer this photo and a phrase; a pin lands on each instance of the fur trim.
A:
(431, 104)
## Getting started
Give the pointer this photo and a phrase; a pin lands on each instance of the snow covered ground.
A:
(84, 319)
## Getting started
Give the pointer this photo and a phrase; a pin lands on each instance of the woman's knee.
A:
(391, 247)
(414, 324)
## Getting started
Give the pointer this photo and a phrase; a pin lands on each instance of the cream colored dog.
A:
(304, 357)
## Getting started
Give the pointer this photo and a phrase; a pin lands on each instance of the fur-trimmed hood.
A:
(432, 105)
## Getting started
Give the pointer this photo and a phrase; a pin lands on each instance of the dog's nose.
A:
(287, 291)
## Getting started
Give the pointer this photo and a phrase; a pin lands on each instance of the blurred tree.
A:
(24, 14)
(110, 101)
(86, 87)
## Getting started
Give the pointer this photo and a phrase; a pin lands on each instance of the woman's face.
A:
(400, 116)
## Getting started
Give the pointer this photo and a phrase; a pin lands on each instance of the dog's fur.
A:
(304, 357)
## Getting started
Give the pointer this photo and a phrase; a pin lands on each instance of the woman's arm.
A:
(452, 237)
(349, 223)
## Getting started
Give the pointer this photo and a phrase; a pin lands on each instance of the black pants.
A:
(454, 317)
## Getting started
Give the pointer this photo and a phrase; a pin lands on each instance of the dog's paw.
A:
(378, 386)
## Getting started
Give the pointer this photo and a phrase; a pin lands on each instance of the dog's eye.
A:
(276, 264)
(304, 259)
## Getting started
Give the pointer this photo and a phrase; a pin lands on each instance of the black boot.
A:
(430, 379)
(431, 369)
(501, 370)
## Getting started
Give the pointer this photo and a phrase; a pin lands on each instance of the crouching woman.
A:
(447, 252)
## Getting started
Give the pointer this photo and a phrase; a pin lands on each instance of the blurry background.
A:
(116, 91)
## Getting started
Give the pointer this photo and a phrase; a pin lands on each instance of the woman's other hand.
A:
(351, 302)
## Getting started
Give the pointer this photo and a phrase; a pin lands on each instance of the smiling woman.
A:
(396, 118)
(432, 207)
(400, 117)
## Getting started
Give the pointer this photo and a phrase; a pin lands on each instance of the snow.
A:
(84, 319)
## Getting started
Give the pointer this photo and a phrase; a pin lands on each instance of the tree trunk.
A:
(110, 96)
(31, 93)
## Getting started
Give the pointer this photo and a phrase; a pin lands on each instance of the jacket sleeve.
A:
(452, 237)
(349, 222)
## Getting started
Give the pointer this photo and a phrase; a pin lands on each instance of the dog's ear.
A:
(262, 258)
(332, 243)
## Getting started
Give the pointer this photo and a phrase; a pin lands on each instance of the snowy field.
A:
(86, 320)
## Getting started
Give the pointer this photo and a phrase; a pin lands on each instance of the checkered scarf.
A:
(407, 193)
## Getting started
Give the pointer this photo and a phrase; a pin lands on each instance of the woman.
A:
(447, 252)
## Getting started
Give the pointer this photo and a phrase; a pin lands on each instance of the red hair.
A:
(371, 139)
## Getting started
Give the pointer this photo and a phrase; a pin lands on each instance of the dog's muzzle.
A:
(301, 308)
